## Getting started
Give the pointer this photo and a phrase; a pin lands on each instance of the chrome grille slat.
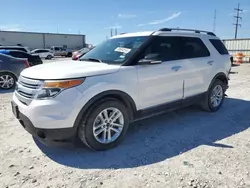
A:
(29, 85)
(26, 89)
(25, 95)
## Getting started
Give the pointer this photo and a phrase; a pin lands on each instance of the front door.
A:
(160, 83)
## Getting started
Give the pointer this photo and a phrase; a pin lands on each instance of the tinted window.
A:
(192, 48)
(219, 46)
(37, 51)
(19, 54)
(177, 48)
(56, 48)
(166, 47)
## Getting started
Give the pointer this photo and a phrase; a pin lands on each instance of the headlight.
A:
(51, 89)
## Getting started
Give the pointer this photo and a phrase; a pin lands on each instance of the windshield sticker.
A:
(122, 50)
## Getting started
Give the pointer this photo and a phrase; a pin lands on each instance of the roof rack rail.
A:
(193, 30)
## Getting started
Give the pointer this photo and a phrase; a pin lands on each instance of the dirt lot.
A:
(186, 148)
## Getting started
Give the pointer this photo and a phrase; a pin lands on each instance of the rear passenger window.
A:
(219, 46)
(192, 48)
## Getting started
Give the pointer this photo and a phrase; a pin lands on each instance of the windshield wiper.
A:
(92, 59)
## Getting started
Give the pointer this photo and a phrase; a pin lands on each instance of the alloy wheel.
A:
(108, 125)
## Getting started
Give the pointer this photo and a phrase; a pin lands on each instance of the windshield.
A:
(116, 50)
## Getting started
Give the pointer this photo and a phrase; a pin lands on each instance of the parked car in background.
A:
(32, 59)
(43, 53)
(20, 48)
(10, 68)
(61, 51)
(77, 54)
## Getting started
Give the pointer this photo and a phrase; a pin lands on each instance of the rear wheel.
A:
(214, 98)
(105, 125)
(7, 80)
(49, 57)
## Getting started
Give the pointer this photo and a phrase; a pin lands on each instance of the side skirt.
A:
(161, 109)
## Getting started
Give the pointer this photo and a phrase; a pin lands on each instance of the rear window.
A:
(192, 47)
(219, 46)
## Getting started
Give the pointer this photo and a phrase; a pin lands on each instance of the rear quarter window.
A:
(219, 46)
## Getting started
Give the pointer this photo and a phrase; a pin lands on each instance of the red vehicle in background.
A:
(77, 54)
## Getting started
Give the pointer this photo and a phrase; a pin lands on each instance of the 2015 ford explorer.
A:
(125, 78)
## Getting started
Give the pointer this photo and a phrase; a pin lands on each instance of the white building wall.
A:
(71, 41)
(31, 40)
(235, 46)
(41, 40)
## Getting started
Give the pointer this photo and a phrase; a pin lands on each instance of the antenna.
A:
(214, 24)
(238, 17)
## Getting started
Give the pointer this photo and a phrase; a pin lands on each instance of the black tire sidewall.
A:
(88, 128)
(217, 82)
(1, 74)
(49, 57)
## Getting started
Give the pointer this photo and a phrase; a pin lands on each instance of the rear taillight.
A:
(26, 63)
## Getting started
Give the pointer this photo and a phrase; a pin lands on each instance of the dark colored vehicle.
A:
(10, 68)
(20, 48)
(32, 59)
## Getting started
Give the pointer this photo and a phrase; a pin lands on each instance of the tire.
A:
(86, 126)
(207, 103)
(69, 54)
(11, 81)
(49, 57)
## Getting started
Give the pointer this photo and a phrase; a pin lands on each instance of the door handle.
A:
(210, 62)
(176, 68)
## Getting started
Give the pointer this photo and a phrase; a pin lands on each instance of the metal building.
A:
(238, 45)
(34, 40)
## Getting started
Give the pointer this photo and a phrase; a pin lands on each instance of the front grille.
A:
(26, 89)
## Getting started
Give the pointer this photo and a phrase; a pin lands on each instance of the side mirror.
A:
(150, 59)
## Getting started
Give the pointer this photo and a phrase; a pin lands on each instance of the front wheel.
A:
(7, 81)
(214, 98)
(105, 125)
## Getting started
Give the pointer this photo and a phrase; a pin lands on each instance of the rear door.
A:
(42, 53)
(198, 65)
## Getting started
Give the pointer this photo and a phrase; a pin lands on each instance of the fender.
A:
(221, 76)
(2, 71)
(122, 96)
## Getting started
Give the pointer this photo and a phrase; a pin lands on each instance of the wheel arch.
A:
(9, 72)
(121, 96)
(220, 76)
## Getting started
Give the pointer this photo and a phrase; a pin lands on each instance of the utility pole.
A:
(111, 32)
(214, 24)
(238, 17)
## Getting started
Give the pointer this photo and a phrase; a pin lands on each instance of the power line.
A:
(238, 18)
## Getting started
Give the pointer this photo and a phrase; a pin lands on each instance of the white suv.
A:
(43, 53)
(126, 78)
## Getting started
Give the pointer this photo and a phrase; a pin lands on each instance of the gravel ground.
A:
(185, 148)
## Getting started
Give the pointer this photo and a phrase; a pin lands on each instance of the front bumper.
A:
(43, 134)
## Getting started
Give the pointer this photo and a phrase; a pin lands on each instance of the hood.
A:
(68, 69)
